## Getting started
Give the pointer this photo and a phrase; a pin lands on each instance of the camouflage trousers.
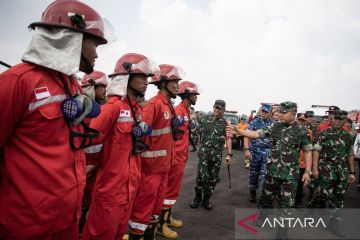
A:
(332, 190)
(208, 170)
(314, 193)
(285, 190)
(257, 168)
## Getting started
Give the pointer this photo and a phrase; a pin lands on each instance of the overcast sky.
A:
(242, 51)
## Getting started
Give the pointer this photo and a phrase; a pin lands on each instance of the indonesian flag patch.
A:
(41, 93)
(124, 113)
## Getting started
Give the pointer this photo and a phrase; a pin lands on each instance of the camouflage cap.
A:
(220, 103)
(340, 114)
(266, 108)
(309, 114)
(288, 107)
(333, 108)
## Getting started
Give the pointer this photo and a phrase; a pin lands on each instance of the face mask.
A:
(141, 129)
(75, 109)
(177, 121)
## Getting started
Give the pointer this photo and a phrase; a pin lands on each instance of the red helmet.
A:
(74, 15)
(168, 73)
(188, 87)
(135, 63)
(94, 78)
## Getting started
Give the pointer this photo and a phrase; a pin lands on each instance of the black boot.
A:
(149, 233)
(206, 203)
(252, 196)
(197, 200)
(281, 233)
(134, 236)
(334, 227)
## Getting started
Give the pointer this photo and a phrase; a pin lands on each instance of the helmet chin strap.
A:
(88, 68)
(137, 93)
(173, 96)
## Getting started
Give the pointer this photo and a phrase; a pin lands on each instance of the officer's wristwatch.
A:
(246, 149)
(230, 154)
(352, 173)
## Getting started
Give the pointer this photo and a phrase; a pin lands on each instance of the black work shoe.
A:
(252, 196)
(197, 200)
(206, 203)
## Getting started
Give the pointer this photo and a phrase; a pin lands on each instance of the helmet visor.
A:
(148, 67)
(176, 74)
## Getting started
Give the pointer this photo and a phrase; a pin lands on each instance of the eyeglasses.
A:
(264, 111)
(339, 118)
(218, 108)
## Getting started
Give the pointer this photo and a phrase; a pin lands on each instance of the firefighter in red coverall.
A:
(160, 114)
(94, 86)
(42, 169)
(188, 92)
(119, 168)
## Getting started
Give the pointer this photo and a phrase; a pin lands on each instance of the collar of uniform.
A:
(162, 97)
(186, 107)
(113, 98)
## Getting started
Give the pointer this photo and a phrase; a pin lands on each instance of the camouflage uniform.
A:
(210, 153)
(283, 167)
(259, 150)
(334, 145)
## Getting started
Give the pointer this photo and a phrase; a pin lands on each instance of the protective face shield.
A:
(146, 66)
(168, 73)
(75, 109)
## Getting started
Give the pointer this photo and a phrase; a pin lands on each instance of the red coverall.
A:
(118, 174)
(176, 171)
(41, 177)
(156, 162)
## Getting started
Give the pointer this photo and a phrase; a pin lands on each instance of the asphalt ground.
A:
(218, 224)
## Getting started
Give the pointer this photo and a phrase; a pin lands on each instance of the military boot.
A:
(247, 164)
(149, 233)
(133, 236)
(162, 228)
(252, 196)
(197, 200)
(172, 222)
(334, 227)
(206, 203)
